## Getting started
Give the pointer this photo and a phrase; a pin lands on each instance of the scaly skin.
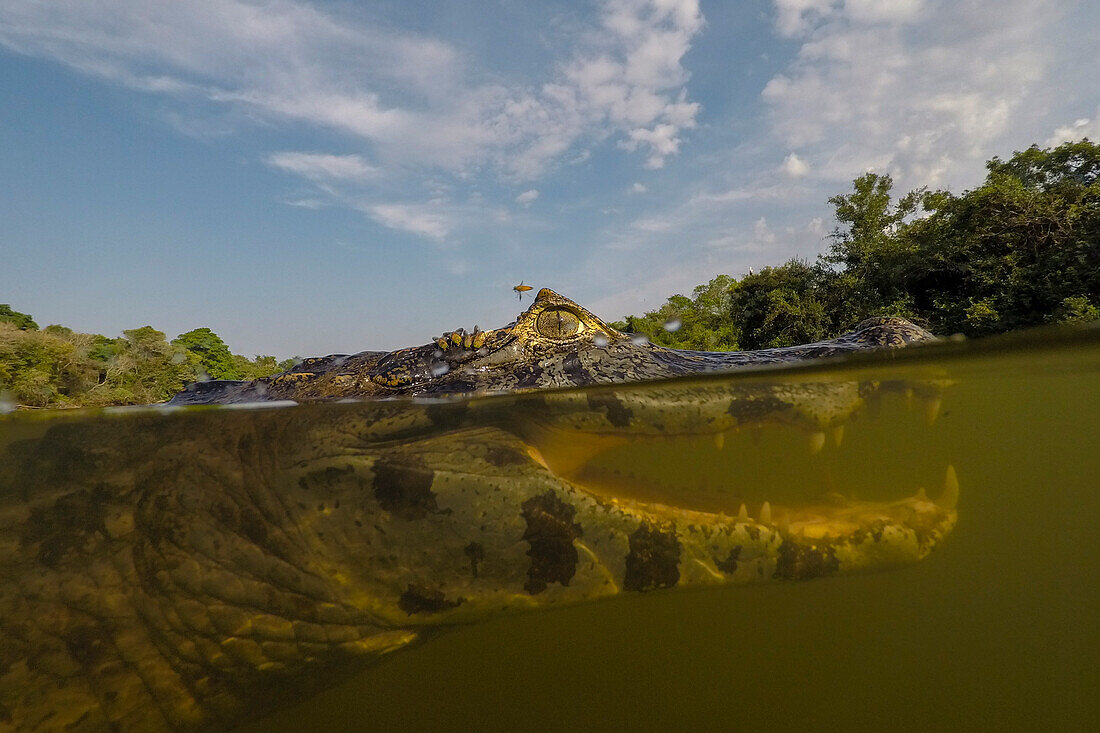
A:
(554, 343)
(185, 572)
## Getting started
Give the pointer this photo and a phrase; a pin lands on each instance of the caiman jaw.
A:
(832, 534)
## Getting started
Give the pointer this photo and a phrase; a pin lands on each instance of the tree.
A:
(1072, 165)
(212, 353)
(146, 368)
(869, 243)
(1021, 249)
(699, 322)
(261, 366)
(1011, 252)
(40, 368)
(20, 320)
(778, 306)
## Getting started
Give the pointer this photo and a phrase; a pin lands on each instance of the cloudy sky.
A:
(313, 177)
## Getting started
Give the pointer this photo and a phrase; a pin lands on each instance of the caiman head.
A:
(554, 343)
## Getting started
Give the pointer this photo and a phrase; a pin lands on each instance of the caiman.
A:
(187, 569)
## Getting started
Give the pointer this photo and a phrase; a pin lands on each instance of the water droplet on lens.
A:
(600, 340)
(438, 370)
(639, 339)
(438, 353)
(7, 403)
(178, 357)
(673, 324)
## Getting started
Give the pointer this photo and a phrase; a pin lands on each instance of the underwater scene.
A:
(903, 540)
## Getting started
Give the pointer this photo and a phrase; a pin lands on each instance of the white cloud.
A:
(652, 224)
(527, 197)
(921, 88)
(422, 220)
(761, 233)
(794, 17)
(662, 142)
(1080, 128)
(753, 192)
(877, 11)
(794, 166)
(414, 99)
(322, 167)
(305, 203)
(638, 188)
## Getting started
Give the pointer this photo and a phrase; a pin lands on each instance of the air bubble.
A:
(7, 403)
(438, 370)
(639, 339)
(673, 324)
(600, 340)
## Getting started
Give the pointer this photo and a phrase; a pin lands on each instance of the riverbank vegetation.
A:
(58, 367)
(1022, 249)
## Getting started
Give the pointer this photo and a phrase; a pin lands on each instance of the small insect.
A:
(521, 289)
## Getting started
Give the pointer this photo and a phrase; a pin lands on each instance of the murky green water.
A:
(996, 630)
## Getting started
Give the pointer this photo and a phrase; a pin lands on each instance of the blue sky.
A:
(317, 177)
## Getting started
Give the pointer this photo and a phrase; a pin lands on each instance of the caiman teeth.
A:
(766, 513)
(921, 495)
(838, 435)
(719, 440)
(743, 514)
(817, 442)
(950, 496)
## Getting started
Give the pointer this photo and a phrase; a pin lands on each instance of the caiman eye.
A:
(558, 323)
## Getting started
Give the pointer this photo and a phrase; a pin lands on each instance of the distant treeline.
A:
(58, 367)
(1020, 250)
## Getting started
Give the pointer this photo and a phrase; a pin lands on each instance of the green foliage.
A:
(20, 320)
(779, 306)
(1078, 310)
(1020, 250)
(58, 367)
(261, 366)
(146, 368)
(40, 368)
(700, 322)
(213, 355)
(1020, 244)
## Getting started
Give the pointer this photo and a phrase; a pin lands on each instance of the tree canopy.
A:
(1022, 249)
(211, 352)
(58, 367)
(20, 320)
